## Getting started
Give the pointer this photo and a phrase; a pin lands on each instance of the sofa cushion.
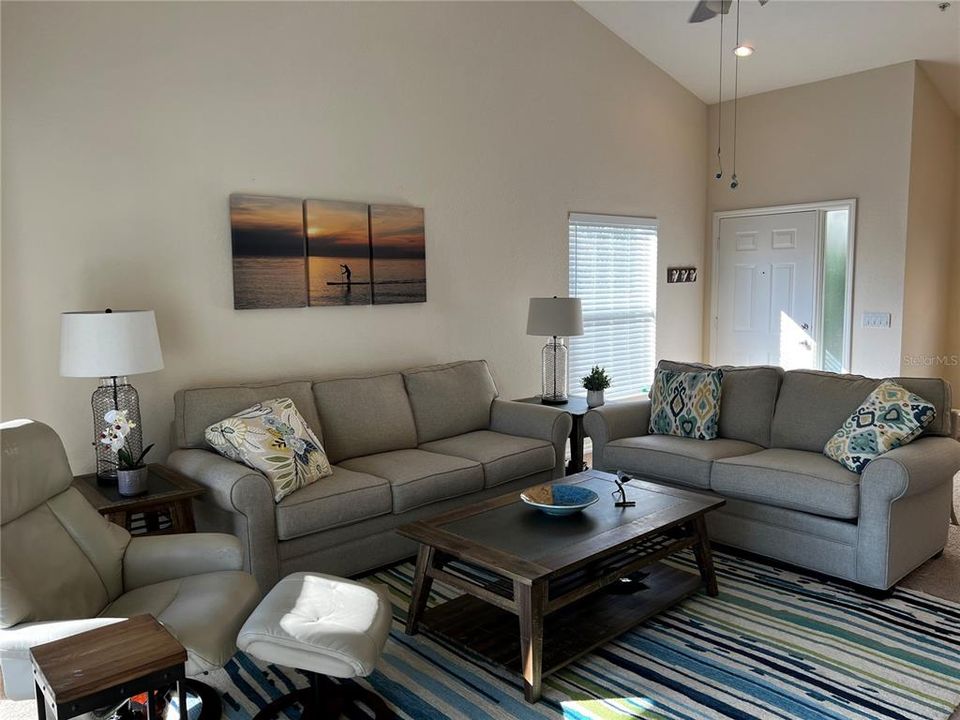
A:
(451, 399)
(685, 461)
(793, 479)
(504, 457)
(272, 437)
(748, 399)
(813, 405)
(891, 416)
(364, 415)
(686, 404)
(196, 409)
(343, 498)
(418, 477)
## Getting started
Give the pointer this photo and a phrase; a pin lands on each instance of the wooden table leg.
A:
(422, 583)
(41, 702)
(181, 516)
(530, 603)
(576, 446)
(705, 556)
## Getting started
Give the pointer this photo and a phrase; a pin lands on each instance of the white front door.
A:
(767, 288)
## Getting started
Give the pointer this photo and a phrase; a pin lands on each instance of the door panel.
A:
(767, 289)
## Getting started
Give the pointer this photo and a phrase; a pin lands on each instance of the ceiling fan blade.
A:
(702, 12)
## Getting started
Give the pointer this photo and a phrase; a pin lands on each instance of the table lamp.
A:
(555, 318)
(111, 345)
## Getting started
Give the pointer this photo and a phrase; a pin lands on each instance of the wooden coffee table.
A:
(568, 579)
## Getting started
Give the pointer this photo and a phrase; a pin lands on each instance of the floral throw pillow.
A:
(272, 437)
(686, 404)
(891, 416)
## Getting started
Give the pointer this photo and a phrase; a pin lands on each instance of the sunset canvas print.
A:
(338, 252)
(269, 260)
(398, 247)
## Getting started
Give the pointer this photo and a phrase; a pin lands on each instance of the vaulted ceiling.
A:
(796, 41)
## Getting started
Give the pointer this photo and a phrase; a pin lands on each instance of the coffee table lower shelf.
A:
(569, 633)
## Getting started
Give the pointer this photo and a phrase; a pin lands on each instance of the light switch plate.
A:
(876, 320)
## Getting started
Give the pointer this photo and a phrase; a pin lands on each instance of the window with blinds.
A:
(613, 270)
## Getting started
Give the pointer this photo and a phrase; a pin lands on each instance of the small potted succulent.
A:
(131, 469)
(595, 383)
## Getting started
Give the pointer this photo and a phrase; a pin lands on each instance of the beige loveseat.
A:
(404, 445)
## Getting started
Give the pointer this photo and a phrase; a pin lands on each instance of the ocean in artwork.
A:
(268, 282)
(399, 280)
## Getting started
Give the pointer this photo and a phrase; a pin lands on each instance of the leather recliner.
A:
(64, 569)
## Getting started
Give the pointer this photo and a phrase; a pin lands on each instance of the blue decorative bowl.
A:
(559, 499)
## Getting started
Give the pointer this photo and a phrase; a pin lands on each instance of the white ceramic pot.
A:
(594, 398)
(132, 482)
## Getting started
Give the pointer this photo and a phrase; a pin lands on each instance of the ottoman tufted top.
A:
(321, 623)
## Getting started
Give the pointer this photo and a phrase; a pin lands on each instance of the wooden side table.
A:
(106, 666)
(577, 407)
(167, 491)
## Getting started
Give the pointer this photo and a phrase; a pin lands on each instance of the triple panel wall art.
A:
(289, 252)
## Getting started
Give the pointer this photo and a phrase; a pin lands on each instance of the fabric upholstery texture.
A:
(504, 457)
(345, 497)
(530, 420)
(748, 399)
(320, 623)
(686, 404)
(796, 479)
(813, 404)
(418, 477)
(889, 417)
(365, 415)
(680, 460)
(196, 409)
(272, 437)
(450, 399)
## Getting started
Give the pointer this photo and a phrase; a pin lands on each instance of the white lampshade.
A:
(107, 344)
(560, 317)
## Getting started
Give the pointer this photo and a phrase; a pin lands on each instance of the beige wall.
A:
(953, 316)
(931, 233)
(126, 126)
(848, 137)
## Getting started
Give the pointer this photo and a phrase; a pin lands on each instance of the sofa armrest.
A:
(244, 493)
(615, 421)
(905, 498)
(534, 421)
(154, 559)
(911, 469)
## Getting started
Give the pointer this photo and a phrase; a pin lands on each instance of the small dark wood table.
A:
(577, 407)
(167, 491)
(570, 580)
(105, 666)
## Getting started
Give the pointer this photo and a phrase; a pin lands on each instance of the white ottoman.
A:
(324, 626)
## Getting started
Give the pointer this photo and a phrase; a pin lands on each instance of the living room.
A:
(618, 153)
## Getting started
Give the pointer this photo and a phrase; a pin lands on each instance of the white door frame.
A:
(851, 206)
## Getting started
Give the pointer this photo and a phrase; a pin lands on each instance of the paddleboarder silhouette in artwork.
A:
(346, 272)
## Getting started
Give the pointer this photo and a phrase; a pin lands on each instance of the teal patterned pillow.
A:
(891, 416)
(686, 404)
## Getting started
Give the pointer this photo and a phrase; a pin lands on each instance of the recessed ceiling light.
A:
(743, 51)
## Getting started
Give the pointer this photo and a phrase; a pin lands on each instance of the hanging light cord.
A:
(736, 89)
(720, 102)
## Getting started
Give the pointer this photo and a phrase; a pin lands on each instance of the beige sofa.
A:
(404, 445)
(785, 498)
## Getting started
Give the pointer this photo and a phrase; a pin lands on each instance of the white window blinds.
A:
(613, 270)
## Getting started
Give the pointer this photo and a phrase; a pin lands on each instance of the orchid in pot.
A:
(131, 469)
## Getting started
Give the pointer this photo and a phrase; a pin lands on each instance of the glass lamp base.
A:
(114, 393)
(554, 373)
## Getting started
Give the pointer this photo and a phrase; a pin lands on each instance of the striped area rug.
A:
(774, 644)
